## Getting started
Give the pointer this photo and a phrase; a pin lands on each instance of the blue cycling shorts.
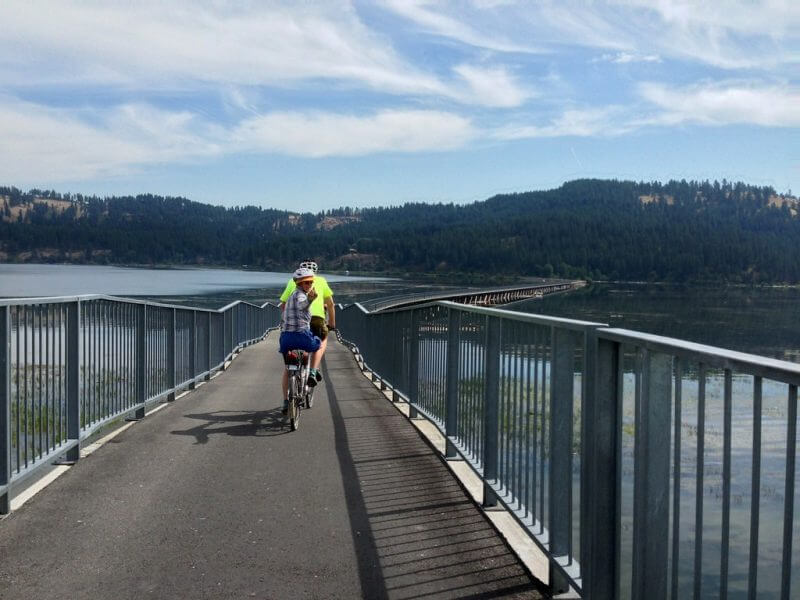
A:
(299, 340)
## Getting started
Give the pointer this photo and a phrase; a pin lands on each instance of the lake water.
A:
(759, 320)
(70, 280)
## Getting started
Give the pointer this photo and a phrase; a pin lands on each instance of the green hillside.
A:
(677, 231)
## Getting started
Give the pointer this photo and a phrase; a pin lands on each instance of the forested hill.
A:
(587, 228)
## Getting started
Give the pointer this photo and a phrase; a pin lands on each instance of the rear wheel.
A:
(294, 404)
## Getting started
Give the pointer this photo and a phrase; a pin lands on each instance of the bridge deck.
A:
(213, 498)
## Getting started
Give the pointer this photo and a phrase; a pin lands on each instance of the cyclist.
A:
(322, 303)
(296, 326)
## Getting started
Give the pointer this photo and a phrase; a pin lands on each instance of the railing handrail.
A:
(716, 357)
(28, 301)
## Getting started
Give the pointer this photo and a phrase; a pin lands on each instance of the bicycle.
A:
(301, 395)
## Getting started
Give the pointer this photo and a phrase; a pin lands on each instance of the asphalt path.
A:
(213, 497)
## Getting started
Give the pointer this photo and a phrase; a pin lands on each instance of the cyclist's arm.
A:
(329, 306)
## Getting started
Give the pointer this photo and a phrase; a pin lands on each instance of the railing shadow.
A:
(415, 532)
(237, 423)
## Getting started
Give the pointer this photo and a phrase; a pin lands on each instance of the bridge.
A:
(634, 465)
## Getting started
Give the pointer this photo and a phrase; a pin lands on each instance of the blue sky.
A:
(315, 105)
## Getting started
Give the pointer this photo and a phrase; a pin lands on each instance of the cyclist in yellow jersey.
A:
(319, 325)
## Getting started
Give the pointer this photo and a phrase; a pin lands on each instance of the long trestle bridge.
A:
(635, 466)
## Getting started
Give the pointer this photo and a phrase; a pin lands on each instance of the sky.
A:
(308, 106)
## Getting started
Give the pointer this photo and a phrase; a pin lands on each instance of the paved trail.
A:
(212, 497)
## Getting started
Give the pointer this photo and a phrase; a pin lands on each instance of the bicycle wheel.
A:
(295, 403)
(292, 409)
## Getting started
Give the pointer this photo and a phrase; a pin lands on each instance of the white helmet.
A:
(309, 264)
(303, 275)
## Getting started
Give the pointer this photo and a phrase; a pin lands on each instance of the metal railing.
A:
(69, 366)
(642, 466)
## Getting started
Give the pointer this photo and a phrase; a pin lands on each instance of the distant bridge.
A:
(476, 296)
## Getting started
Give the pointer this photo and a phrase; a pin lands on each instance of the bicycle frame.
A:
(297, 365)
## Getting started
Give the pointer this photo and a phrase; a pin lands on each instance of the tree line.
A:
(590, 228)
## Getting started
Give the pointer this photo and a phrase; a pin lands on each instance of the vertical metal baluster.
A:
(96, 358)
(546, 398)
(73, 407)
(193, 349)
(755, 491)
(526, 408)
(560, 480)
(651, 477)
(171, 324)
(601, 451)
(517, 427)
(726, 484)
(209, 358)
(5, 407)
(17, 399)
(533, 449)
(49, 363)
(37, 423)
(676, 478)
(413, 387)
(699, 483)
(452, 382)
(25, 378)
(490, 408)
(788, 495)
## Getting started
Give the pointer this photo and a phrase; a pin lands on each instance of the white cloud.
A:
(725, 104)
(492, 86)
(606, 121)
(55, 144)
(324, 134)
(182, 44)
(433, 18)
(729, 34)
(41, 142)
(627, 57)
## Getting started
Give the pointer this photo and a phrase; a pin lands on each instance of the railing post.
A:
(5, 409)
(73, 374)
(171, 355)
(413, 375)
(491, 410)
(562, 379)
(208, 346)
(141, 359)
(651, 478)
(600, 473)
(451, 382)
(193, 349)
(224, 340)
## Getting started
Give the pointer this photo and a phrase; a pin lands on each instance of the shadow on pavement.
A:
(250, 423)
(416, 534)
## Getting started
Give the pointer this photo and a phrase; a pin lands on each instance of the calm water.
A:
(217, 286)
(762, 320)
